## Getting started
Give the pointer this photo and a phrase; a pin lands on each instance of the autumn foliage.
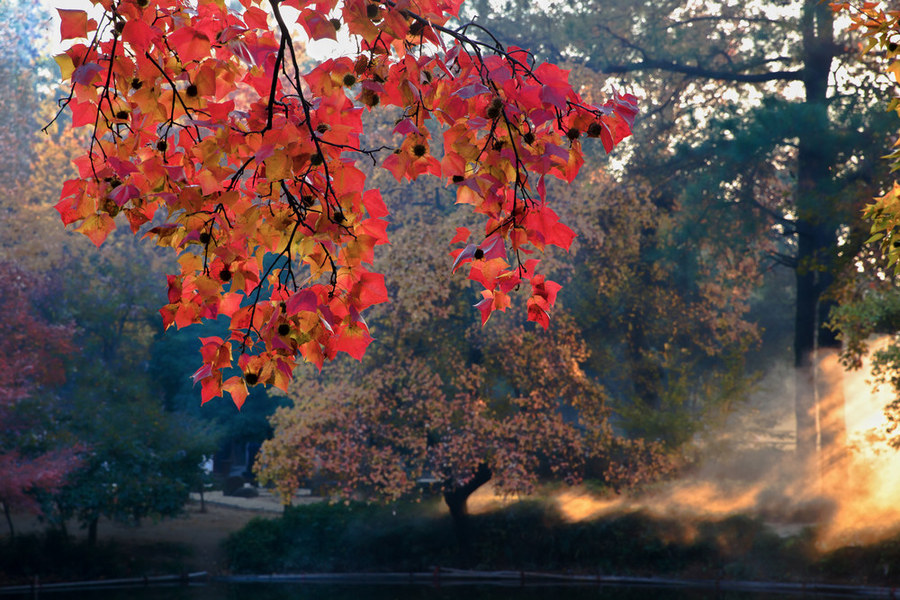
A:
(881, 33)
(207, 136)
(33, 351)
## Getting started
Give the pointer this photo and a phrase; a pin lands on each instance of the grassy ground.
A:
(190, 543)
(416, 537)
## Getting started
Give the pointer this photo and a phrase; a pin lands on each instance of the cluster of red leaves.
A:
(261, 198)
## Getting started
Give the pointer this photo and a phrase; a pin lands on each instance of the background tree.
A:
(439, 398)
(765, 139)
(33, 457)
(663, 308)
(81, 331)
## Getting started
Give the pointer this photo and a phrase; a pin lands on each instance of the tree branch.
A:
(650, 64)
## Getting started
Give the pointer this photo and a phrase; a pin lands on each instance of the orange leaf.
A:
(97, 227)
(237, 387)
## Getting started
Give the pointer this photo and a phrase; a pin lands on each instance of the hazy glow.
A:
(851, 506)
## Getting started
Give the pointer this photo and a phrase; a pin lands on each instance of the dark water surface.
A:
(330, 591)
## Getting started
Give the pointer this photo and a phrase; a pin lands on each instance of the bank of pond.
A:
(356, 587)
(522, 537)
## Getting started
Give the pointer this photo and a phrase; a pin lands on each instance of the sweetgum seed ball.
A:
(136, 83)
(369, 98)
(573, 133)
(307, 200)
(322, 127)
(225, 275)
(349, 79)
(892, 46)
(191, 91)
(479, 254)
(284, 329)
(205, 238)
(122, 114)
(161, 145)
(494, 109)
(528, 138)
(372, 11)
(142, 3)
(417, 27)
(251, 378)
(419, 150)
(316, 160)
(458, 178)
(594, 129)
(110, 207)
(336, 23)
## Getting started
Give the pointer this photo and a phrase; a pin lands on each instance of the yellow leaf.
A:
(278, 166)
(894, 69)
(97, 227)
(66, 66)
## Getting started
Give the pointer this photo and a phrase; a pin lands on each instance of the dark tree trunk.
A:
(9, 522)
(92, 531)
(456, 497)
(817, 224)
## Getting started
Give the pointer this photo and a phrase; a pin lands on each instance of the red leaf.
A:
(256, 18)
(353, 341)
(462, 234)
(485, 306)
(138, 34)
(210, 388)
(73, 24)
(304, 300)
(189, 43)
(369, 290)
(374, 204)
(317, 25)
(124, 193)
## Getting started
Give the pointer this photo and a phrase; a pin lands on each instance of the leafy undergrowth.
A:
(52, 556)
(533, 536)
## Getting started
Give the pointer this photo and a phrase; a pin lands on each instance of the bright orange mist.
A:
(850, 497)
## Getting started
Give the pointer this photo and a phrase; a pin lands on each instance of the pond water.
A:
(320, 591)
